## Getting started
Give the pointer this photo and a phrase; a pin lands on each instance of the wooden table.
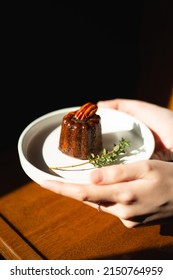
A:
(38, 224)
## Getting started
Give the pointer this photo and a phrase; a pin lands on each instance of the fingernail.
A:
(97, 176)
(46, 184)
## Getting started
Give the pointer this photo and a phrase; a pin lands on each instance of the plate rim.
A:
(25, 161)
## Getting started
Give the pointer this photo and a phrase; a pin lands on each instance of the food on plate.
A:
(81, 132)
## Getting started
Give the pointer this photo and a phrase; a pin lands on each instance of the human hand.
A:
(157, 118)
(137, 193)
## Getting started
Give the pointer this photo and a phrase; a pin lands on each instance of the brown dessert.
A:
(81, 132)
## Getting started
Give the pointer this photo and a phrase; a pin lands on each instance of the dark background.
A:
(65, 56)
(70, 53)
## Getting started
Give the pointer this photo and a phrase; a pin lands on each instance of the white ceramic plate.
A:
(38, 145)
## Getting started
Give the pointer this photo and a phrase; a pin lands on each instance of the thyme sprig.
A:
(110, 157)
(105, 158)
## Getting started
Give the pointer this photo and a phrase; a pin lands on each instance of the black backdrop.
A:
(64, 56)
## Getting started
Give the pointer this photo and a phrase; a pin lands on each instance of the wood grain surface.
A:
(38, 224)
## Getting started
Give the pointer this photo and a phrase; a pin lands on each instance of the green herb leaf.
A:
(110, 157)
(105, 158)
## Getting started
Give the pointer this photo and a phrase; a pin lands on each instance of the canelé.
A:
(81, 132)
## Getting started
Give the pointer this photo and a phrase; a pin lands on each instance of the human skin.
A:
(138, 193)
